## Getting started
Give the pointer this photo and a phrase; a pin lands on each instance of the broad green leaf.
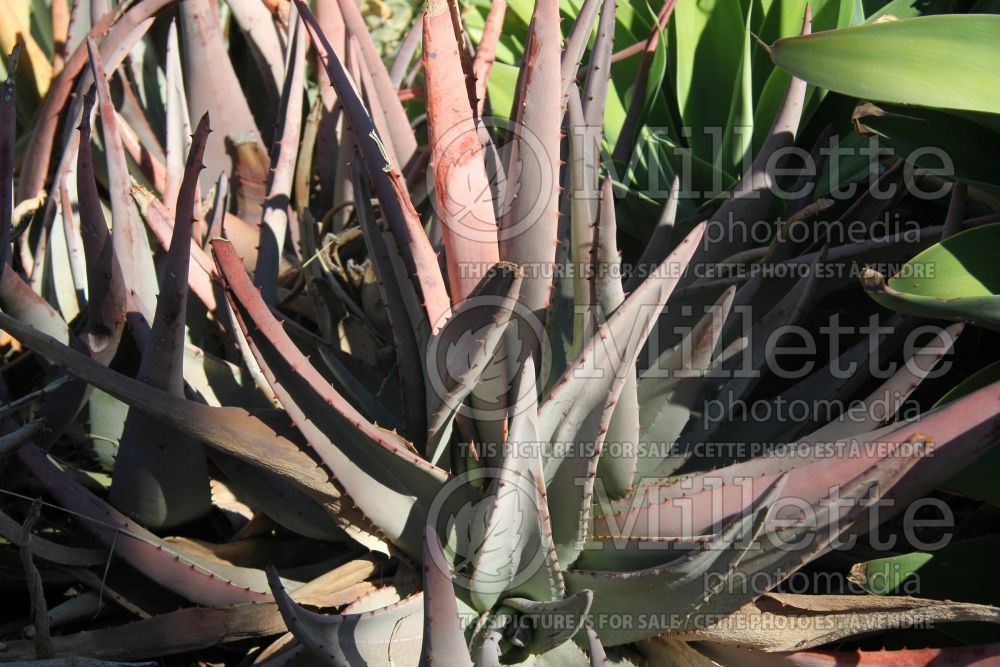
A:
(962, 571)
(708, 69)
(909, 61)
(957, 279)
(885, 575)
(955, 144)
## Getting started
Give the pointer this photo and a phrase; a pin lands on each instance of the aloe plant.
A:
(435, 352)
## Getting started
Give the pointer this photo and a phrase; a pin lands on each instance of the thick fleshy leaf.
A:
(214, 89)
(583, 184)
(595, 650)
(277, 204)
(531, 210)
(955, 427)
(130, 244)
(120, 32)
(200, 627)
(616, 467)
(160, 475)
(201, 269)
(444, 639)
(105, 283)
(901, 63)
(882, 405)
(178, 118)
(579, 407)
(407, 319)
(254, 437)
(412, 243)
(555, 622)
(461, 351)
(669, 596)
(461, 185)
(508, 537)
(390, 636)
(259, 26)
(380, 471)
(402, 136)
(595, 89)
(201, 581)
(18, 299)
(670, 389)
(576, 44)
(918, 657)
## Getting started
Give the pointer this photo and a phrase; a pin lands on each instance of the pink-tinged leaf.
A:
(212, 85)
(404, 53)
(882, 405)
(531, 211)
(332, 149)
(129, 242)
(486, 52)
(391, 635)
(105, 283)
(19, 300)
(399, 298)
(444, 640)
(274, 222)
(254, 437)
(987, 655)
(595, 90)
(402, 134)
(160, 475)
(201, 581)
(169, 633)
(362, 76)
(149, 164)
(595, 650)
(576, 44)
(162, 365)
(117, 33)
(896, 465)
(461, 186)
(178, 119)
(262, 32)
(415, 248)
(391, 485)
(674, 592)
(158, 219)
